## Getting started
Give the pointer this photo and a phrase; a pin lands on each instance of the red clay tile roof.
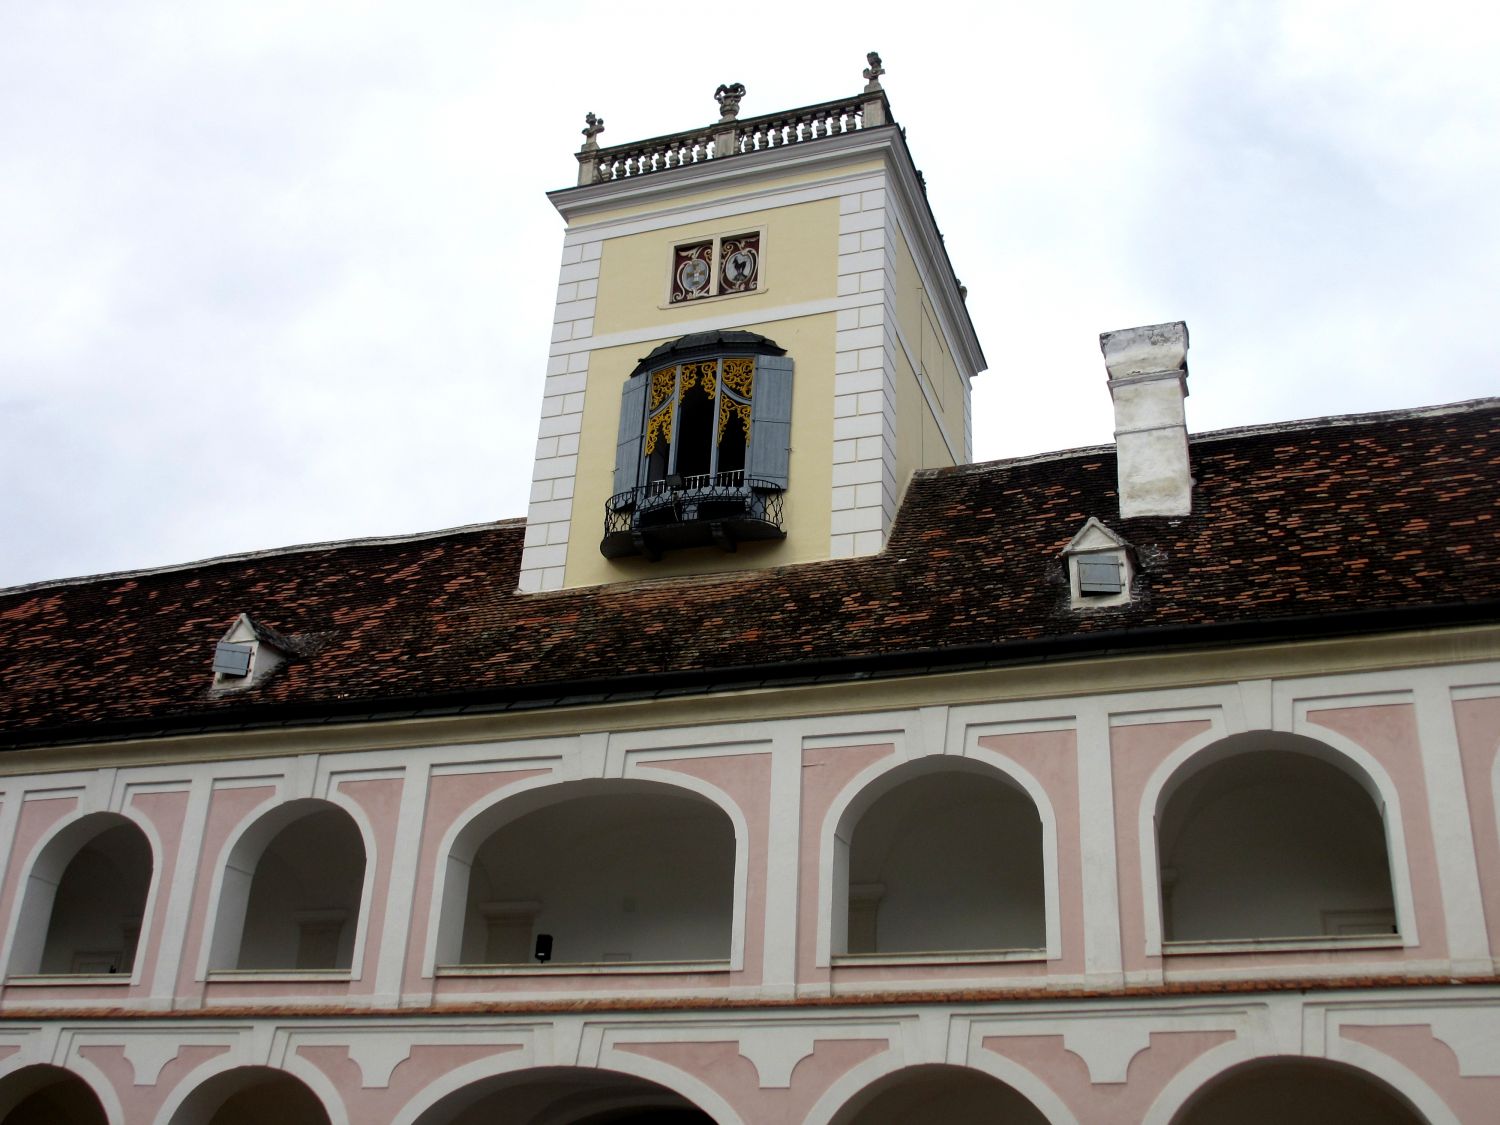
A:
(1324, 528)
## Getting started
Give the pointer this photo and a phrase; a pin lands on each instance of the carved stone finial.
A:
(593, 126)
(873, 72)
(728, 96)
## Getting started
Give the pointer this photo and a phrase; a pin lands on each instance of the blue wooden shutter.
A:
(632, 432)
(769, 458)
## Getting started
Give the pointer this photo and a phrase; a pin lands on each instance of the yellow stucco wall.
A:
(799, 262)
(809, 340)
(927, 358)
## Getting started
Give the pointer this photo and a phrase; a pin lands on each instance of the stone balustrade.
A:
(731, 137)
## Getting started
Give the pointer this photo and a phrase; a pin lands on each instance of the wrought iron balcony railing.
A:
(722, 509)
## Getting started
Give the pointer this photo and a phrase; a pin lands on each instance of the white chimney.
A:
(1148, 382)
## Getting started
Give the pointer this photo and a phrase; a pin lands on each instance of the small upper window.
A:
(714, 267)
(1099, 568)
(248, 653)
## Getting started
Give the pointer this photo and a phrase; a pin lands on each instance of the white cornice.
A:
(577, 203)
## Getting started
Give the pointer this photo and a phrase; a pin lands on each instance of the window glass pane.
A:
(734, 414)
(695, 419)
(661, 405)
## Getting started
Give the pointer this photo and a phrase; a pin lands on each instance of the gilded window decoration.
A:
(687, 423)
(737, 375)
(715, 267)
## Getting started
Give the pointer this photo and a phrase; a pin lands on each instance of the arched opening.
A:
(945, 857)
(560, 1096)
(1273, 838)
(291, 892)
(251, 1095)
(48, 1095)
(85, 899)
(1297, 1092)
(950, 1094)
(610, 872)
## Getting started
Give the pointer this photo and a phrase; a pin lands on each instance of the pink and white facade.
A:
(733, 983)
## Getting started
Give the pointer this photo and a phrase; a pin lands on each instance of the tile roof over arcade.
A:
(1307, 529)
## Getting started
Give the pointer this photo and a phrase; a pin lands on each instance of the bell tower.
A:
(758, 338)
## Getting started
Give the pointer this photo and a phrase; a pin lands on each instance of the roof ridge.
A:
(1464, 406)
(267, 552)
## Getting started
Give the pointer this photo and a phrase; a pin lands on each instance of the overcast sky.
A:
(273, 273)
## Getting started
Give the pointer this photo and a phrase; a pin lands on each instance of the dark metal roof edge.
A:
(801, 673)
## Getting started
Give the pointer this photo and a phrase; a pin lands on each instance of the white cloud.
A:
(281, 272)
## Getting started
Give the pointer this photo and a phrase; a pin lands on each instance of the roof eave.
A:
(1096, 644)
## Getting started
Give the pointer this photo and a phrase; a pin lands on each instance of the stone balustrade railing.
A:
(730, 137)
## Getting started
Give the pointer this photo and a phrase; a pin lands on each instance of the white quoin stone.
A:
(1148, 382)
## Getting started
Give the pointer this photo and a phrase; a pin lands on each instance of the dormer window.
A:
(248, 653)
(704, 446)
(232, 658)
(1099, 568)
(715, 267)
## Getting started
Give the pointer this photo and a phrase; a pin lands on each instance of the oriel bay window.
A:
(704, 446)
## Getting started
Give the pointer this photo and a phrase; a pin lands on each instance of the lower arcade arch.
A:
(564, 1096)
(48, 1095)
(251, 1095)
(953, 1095)
(1297, 1091)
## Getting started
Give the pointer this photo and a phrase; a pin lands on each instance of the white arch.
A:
(711, 792)
(1494, 825)
(293, 1064)
(860, 1078)
(373, 859)
(1191, 1080)
(873, 782)
(1398, 1077)
(516, 1062)
(43, 868)
(486, 816)
(234, 871)
(91, 1076)
(1212, 746)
